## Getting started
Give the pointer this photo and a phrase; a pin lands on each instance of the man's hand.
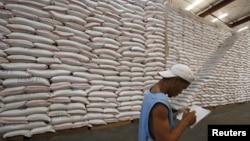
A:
(179, 111)
(189, 117)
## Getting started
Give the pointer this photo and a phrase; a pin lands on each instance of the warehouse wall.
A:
(71, 63)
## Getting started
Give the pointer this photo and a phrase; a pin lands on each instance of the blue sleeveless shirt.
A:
(149, 101)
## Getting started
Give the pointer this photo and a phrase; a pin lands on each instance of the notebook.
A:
(200, 113)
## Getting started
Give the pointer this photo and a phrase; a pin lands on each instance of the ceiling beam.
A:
(215, 8)
(241, 21)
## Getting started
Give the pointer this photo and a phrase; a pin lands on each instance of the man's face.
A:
(178, 86)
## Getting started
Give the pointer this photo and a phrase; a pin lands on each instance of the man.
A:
(156, 119)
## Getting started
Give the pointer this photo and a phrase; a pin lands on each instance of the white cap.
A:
(180, 70)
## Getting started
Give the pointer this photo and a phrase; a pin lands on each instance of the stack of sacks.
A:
(74, 63)
(242, 45)
(102, 27)
(155, 41)
(229, 81)
(131, 68)
(175, 40)
(190, 42)
(68, 97)
(67, 108)
(144, 53)
(24, 104)
(103, 106)
(25, 95)
(205, 76)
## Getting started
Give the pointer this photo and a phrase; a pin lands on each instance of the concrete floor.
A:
(230, 114)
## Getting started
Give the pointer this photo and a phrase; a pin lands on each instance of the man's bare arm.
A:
(160, 127)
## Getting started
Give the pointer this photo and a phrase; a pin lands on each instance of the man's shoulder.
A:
(159, 108)
(159, 111)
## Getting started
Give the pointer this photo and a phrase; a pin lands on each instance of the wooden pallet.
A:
(71, 131)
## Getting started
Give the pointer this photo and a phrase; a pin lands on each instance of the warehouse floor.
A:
(229, 114)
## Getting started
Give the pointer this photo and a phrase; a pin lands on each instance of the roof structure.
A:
(238, 11)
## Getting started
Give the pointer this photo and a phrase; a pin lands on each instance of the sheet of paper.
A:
(200, 113)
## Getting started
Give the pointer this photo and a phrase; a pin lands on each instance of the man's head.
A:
(176, 79)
